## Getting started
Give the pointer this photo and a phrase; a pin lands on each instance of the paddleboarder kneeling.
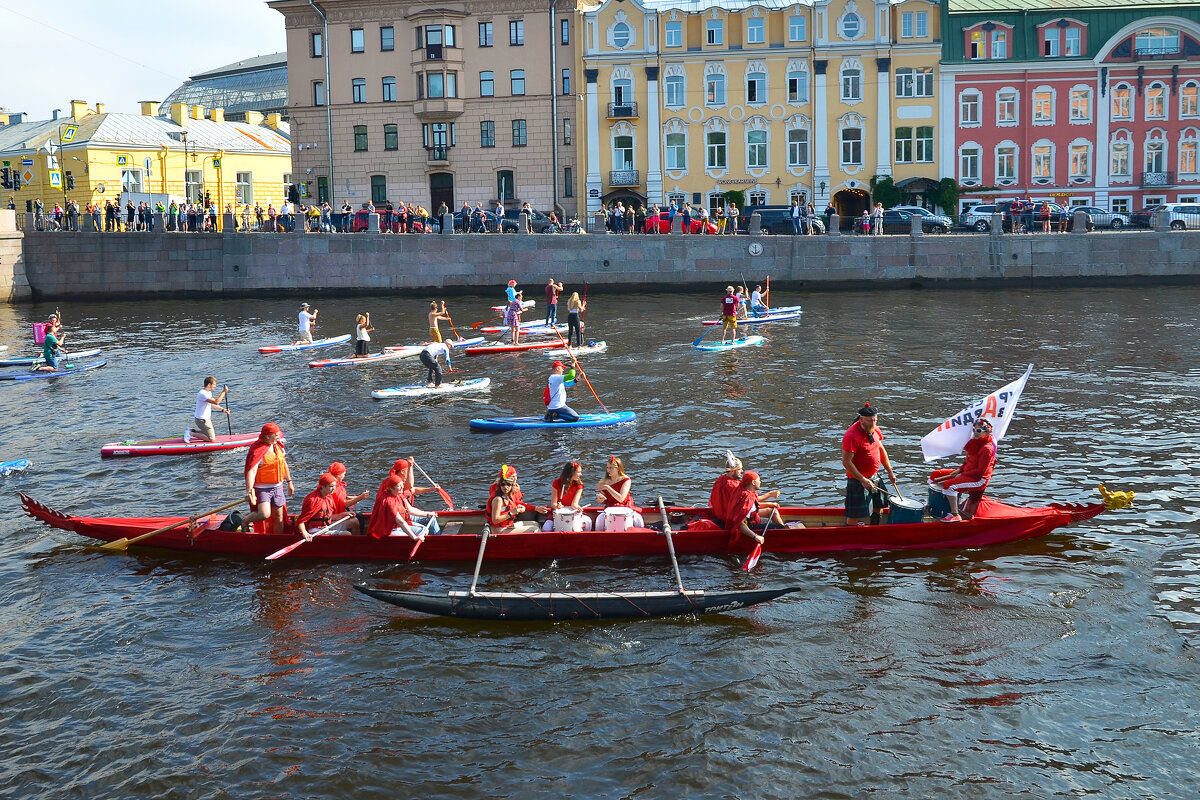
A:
(507, 511)
(205, 403)
(266, 473)
(52, 348)
(862, 454)
(729, 306)
(320, 510)
(557, 408)
(756, 302)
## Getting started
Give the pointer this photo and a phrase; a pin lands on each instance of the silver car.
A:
(978, 217)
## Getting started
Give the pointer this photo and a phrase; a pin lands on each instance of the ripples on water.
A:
(1056, 667)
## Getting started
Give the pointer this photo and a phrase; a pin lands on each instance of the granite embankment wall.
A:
(130, 265)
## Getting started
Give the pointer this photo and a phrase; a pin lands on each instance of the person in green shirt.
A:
(52, 347)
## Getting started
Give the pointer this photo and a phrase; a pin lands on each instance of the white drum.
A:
(566, 520)
(617, 518)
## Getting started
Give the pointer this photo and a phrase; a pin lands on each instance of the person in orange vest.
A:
(266, 473)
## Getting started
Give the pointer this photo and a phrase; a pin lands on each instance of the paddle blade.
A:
(117, 544)
(446, 498)
(284, 551)
(416, 547)
(701, 336)
(752, 561)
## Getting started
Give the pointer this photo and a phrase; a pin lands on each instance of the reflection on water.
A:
(1048, 667)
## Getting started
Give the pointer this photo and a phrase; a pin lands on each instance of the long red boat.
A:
(824, 531)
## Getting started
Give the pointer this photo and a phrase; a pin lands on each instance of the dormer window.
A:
(1062, 38)
(988, 41)
(1156, 42)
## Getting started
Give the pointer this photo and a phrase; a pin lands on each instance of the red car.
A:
(661, 223)
(360, 223)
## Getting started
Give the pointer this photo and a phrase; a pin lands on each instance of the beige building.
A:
(409, 101)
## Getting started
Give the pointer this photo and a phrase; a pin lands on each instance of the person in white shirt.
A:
(362, 335)
(757, 306)
(307, 323)
(429, 357)
(557, 409)
(205, 403)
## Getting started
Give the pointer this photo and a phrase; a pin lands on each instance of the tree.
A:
(736, 197)
(945, 196)
(883, 190)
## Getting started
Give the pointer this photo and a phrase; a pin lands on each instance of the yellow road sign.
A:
(68, 134)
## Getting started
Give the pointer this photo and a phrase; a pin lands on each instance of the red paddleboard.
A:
(177, 446)
(509, 348)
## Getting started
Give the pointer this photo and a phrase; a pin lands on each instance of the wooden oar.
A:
(284, 551)
(121, 544)
(575, 361)
(445, 495)
(487, 530)
(670, 544)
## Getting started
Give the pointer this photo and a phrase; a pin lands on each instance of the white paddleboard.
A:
(421, 390)
(598, 347)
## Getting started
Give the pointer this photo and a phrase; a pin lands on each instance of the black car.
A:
(775, 220)
(474, 222)
(538, 222)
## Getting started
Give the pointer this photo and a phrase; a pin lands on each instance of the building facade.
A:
(410, 101)
(191, 153)
(1079, 104)
(686, 101)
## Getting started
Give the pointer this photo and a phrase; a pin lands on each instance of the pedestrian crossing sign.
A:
(68, 134)
(55, 178)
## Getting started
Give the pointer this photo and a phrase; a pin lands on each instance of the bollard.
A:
(1081, 222)
(598, 220)
(228, 225)
(1162, 220)
(160, 221)
(373, 223)
(677, 223)
(997, 224)
(447, 224)
(755, 224)
(918, 226)
(833, 225)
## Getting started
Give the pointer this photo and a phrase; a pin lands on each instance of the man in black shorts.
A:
(862, 454)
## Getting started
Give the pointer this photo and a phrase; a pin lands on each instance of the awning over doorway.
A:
(621, 194)
(917, 185)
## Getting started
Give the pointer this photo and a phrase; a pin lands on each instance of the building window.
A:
(518, 132)
(1043, 163)
(1156, 156)
(566, 127)
(621, 35)
(564, 26)
(914, 24)
(968, 165)
(244, 188)
(387, 39)
(758, 198)
(852, 84)
(999, 45)
(714, 89)
(924, 139)
(714, 150)
(1072, 41)
(391, 137)
(1120, 102)
(1081, 160)
(1187, 155)
(358, 90)
(568, 182)
(1156, 42)
(566, 82)
(851, 26)
(318, 93)
(485, 34)
(797, 147)
(506, 186)
(487, 84)
(487, 133)
(622, 89)
(756, 88)
(358, 42)
(1188, 96)
(1156, 101)
(968, 108)
(360, 138)
(389, 89)
(797, 28)
(716, 32)
(516, 32)
(1043, 106)
(1081, 105)
(852, 147)
(756, 149)
(436, 85)
(914, 145)
(755, 32)
(677, 151)
(378, 189)
(1050, 42)
(673, 35)
(914, 82)
(1006, 108)
(516, 80)
(797, 86)
(1120, 159)
(317, 45)
(622, 153)
(673, 88)
(1006, 164)
(1119, 205)
(193, 181)
(322, 189)
(904, 145)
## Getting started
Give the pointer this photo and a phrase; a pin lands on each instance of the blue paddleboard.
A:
(70, 369)
(746, 341)
(9, 467)
(529, 423)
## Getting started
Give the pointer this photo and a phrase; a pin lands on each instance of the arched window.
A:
(797, 143)
(1121, 108)
(1007, 163)
(1189, 100)
(622, 146)
(851, 80)
(716, 146)
(1187, 154)
(1156, 101)
(756, 143)
(1080, 161)
(1155, 160)
(1119, 149)
(756, 83)
(797, 82)
(1042, 162)
(714, 86)
(675, 145)
(675, 86)
(968, 164)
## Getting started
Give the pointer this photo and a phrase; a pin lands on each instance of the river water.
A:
(1059, 667)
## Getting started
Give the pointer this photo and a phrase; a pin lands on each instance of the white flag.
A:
(997, 408)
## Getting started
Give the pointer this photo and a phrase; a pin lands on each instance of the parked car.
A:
(938, 223)
(538, 222)
(661, 223)
(1104, 219)
(489, 221)
(978, 217)
(900, 222)
(1026, 215)
(774, 219)
(360, 223)
(1181, 215)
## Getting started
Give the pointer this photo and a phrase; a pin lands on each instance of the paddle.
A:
(228, 414)
(486, 321)
(701, 336)
(445, 495)
(575, 361)
(121, 544)
(284, 551)
(752, 561)
(450, 320)
(420, 541)
(670, 544)
(487, 530)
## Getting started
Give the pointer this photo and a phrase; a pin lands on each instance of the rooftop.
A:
(977, 6)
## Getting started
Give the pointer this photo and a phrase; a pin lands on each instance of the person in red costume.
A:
(358, 523)
(266, 472)
(507, 510)
(725, 487)
(320, 510)
(862, 455)
(566, 491)
(972, 476)
(745, 505)
(393, 515)
(614, 491)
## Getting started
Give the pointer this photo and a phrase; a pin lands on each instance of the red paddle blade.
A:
(752, 561)
(414, 550)
(446, 497)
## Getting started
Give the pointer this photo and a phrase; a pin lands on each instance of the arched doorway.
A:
(441, 190)
(850, 203)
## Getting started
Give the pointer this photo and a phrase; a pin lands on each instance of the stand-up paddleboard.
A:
(474, 340)
(69, 369)
(387, 355)
(287, 348)
(533, 324)
(9, 467)
(29, 361)
(421, 390)
(530, 423)
(590, 347)
(176, 446)
(502, 347)
(525, 305)
(745, 341)
(774, 315)
(3, 348)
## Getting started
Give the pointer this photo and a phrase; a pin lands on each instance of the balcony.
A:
(623, 177)
(1157, 53)
(438, 153)
(438, 54)
(1158, 178)
(438, 108)
(622, 110)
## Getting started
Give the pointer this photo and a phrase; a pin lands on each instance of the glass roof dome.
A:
(254, 84)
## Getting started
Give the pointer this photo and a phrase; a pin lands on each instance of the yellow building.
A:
(686, 101)
(92, 156)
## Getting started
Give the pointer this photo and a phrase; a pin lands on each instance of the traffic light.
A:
(70, 181)
(6, 177)
(16, 179)
(293, 194)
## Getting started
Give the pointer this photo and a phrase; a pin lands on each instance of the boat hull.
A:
(552, 606)
(176, 447)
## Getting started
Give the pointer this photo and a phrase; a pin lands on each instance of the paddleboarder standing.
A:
(362, 335)
(862, 455)
(557, 408)
(205, 404)
(552, 290)
(512, 316)
(436, 314)
(729, 306)
(429, 357)
(307, 322)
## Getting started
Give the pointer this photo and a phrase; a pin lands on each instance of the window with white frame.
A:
(1072, 42)
(851, 25)
(622, 89)
(851, 83)
(675, 90)
(1189, 100)
(1043, 162)
(968, 164)
(676, 147)
(622, 152)
(715, 29)
(914, 82)
(1156, 101)
(924, 144)
(914, 24)
(1156, 42)
(678, 198)
(244, 188)
(756, 198)
(755, 30)
(1156, 153)
(904, 145)
(715, 150)
(797, 147)
(673, 34)
(1119, 205)
(797, 83)
(1121, 108)
(797, 28)
(1006, 107)
(756, 148)
(968, 108)
(1043, 106)
(756, 88)
(714, 89)
(851, 147)
(1187, 153)
(999, 50)
(1119, 161)
(1006, 164)
(1080, 160)
(1081, 104)
(1050, 39)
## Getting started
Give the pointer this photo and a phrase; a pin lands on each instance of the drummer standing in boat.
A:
(862, 455)
(205, 404)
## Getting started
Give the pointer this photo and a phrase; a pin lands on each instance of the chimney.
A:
(78, 109)
(55, 117)
(149, 108)
(99, 108)
(217, 115)
(179, 114)
(254, 118)
(3, 119)
(274, 121)
(197, 112)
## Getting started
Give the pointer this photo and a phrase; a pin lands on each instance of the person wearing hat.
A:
(266, 473)
(346, 503)
(394, 515)
(729, 309)
(320, 510)
(725, 487)
(308, 321)
(862, 455)
(744, 508)
(507, 510)
(557, 408)
(972, 476)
